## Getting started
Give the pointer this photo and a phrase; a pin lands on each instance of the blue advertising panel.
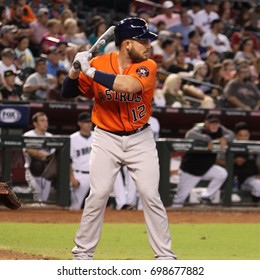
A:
(14, 115)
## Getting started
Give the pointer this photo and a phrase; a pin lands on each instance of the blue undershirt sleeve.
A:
(70, 88)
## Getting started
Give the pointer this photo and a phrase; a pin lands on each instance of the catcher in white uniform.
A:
(80, 148)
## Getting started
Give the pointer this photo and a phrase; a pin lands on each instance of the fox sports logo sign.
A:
(10, 115)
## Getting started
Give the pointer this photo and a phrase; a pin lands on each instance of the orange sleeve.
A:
(85, 83)
(145, 72)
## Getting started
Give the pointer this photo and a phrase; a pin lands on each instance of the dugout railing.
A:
(166, 146)
(62, 146)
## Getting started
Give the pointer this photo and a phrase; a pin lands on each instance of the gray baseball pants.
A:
(139, 153)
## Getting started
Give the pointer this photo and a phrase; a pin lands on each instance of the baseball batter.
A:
(123, 85)
(80, 148)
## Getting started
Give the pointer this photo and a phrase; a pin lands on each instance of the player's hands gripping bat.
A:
(77, 63)
(81, 61)
(83, 58)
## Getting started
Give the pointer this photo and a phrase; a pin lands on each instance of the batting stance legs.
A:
(109, 151)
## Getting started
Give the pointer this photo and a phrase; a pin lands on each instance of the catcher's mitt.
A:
(8, 196)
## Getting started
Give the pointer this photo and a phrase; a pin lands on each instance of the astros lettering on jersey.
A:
(119, 111)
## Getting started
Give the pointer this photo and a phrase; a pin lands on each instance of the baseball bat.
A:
(100, 42)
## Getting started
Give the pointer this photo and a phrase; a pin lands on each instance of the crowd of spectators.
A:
(38, 42)
(208, 43)
(211, 47)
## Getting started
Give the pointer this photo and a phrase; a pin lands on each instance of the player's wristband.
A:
(105, 79)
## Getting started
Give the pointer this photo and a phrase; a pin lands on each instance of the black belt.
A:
(127, 133)
(84, 172)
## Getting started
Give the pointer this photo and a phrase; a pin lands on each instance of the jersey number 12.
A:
(138, 113)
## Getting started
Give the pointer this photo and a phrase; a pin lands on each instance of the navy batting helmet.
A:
(132, 28)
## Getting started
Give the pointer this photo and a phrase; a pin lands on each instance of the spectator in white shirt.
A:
(214, 39)
(7, 63)
(23, 54)
(204, 17)
(195, 7)
(38, 84)
(163, 35)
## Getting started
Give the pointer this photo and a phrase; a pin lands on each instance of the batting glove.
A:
(86, 68)
(79, 58)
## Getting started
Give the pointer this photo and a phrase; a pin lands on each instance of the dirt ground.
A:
(186, 215)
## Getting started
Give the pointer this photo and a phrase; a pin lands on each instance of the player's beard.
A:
(135, 56)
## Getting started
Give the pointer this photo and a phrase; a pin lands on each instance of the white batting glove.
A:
(79, 58)
(86, 68)
(82, 59)
(81, 55)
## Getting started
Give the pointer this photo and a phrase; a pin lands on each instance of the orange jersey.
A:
(119, 111)
(28, 15)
